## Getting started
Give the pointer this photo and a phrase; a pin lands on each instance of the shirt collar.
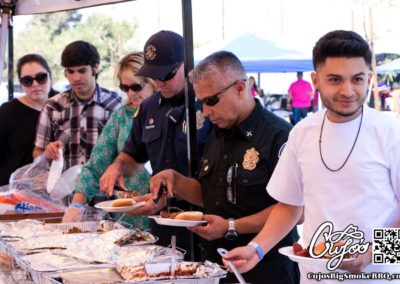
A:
(176, 100)
(247, 127)
(96, 97)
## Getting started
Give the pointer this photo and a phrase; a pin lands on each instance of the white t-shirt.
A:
(364, 193)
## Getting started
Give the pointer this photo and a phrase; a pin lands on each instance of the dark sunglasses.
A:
(171, 74)
(231, 181)
(134, 87)
(214, 99)
(41, 78)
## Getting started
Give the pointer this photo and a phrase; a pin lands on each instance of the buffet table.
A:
(93, 252)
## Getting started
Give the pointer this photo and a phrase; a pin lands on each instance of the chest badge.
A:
(151, 124)
(250, 159)
(199, 120)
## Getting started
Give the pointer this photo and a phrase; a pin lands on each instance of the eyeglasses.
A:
(231, 180)
(214, 99)
(134, 87)
(171, 74)
(41, 78)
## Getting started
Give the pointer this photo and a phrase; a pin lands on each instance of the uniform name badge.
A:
(199, 120)
(250, 159)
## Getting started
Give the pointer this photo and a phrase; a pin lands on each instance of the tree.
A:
(48, 34)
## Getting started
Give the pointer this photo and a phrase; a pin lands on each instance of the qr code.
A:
(386, 246)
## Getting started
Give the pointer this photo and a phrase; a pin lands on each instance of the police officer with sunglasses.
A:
(160, 130)
(239, 158)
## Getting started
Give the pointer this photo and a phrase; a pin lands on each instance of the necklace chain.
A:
(352, 148)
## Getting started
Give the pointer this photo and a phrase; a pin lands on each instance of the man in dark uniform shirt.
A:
(159, 130)
(239, 158)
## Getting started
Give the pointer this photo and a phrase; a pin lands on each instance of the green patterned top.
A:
(108, 146)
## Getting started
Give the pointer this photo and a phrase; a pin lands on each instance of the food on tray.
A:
(187, 215)
(123, 202)
(74, 230)
(6, 261)
(162, 270)
(318, 249)
(125, 194)
(135, 236)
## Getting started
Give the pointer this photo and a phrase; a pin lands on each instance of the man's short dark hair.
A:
(341, 43)
(80, 53)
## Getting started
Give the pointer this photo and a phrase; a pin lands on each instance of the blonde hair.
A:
(132, 61)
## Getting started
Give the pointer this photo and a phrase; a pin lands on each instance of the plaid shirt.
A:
(76, 124)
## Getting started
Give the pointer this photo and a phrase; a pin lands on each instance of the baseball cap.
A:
(163, 51)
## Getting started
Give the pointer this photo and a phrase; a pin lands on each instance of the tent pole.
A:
(189, 98)
(10, 59)
(189, 92)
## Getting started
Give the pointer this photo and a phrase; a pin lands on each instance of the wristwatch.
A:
(231, 235)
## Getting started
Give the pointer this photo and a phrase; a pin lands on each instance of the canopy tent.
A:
(9, 8)
(389, 67)
(259, 55)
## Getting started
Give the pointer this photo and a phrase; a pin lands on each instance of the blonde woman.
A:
(112, 140)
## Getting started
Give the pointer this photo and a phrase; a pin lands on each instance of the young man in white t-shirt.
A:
(340, 165)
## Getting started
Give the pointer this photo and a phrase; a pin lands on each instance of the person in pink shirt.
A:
(300, 94)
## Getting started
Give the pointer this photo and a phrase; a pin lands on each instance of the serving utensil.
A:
(121, 187)
(239, 276)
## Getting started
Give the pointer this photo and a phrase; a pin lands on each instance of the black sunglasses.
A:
(231, 181)
(171, 74)
(134, 87)
(41, 78)
(214, 99)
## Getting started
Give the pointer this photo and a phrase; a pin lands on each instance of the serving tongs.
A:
(173, 258)
(239, 276)
(163, 190)
(121, 187)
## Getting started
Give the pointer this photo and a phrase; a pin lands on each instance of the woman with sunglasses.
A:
(18, 117)
(112, 140)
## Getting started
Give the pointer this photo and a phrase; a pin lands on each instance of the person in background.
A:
(73, 120)
(299, 99)
(239, 158)
(253, 86)
(344, 165)
(384, 93)
(159, 131)
(315, 101)
(18, 117)
(112, 141)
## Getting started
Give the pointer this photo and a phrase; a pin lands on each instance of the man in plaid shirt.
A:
(73, 120)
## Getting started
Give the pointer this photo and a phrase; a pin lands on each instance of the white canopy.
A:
(28, 7)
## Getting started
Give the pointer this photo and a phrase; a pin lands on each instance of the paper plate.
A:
(176, 223)
(106, 206)
(288, 251)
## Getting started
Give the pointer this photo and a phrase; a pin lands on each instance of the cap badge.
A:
(151, 52)
(250, 159)
(151, 121)
(199, 120)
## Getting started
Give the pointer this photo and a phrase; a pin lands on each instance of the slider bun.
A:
(123, 202)
(319, 248)
(190, 216)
